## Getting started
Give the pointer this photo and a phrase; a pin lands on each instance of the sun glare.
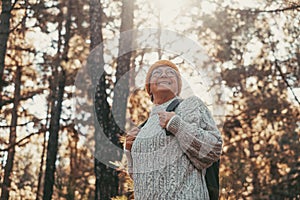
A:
(208, 7)
(168, 9)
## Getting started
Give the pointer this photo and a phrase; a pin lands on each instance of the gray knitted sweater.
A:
(173, 167)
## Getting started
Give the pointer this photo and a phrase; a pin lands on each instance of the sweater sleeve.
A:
(197, 134)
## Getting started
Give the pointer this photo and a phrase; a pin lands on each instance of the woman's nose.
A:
(164, 74)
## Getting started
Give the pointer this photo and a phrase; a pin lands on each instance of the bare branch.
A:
(24, 124)
(21, 140)
(294, 7)
(286, 82)
(255, 11)
(13, 5)
(25, 97)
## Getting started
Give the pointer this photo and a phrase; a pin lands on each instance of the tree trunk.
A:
(121, 92)
(41, 171)
(57, 90)
(56, 108)
(4, 33)
(73, 141)
(12, 138)
(105, 176)
(107, 182)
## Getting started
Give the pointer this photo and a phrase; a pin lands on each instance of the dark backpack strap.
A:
(142, 124)
(171, 107)
(212, 180)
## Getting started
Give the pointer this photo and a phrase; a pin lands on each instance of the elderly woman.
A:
(172, 166)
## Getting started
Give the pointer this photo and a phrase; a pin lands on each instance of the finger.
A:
(160, 113)
(162, 124)
(133, 131)
(130, 138)
(161, 116)
(128, 146)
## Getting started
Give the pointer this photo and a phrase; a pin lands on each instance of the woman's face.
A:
(164, 79)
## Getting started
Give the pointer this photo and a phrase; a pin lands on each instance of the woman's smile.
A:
(164, 82)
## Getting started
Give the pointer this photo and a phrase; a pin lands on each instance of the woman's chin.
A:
(165, 91)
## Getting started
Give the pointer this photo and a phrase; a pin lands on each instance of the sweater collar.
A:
(163, 106)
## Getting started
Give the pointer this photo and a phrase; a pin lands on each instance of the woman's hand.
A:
(164, 118)
(130, 137)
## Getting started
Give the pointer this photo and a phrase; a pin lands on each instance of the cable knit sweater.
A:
(173, 167)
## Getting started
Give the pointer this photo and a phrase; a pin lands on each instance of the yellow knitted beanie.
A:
(159, 64)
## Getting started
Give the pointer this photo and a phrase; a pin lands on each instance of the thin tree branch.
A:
(255, 11)
(286, 82)
(24, 124)
(13, 5)
(28, 96)
(295, 7)
(21, 140)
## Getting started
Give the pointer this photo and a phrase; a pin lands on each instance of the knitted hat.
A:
(159, 64)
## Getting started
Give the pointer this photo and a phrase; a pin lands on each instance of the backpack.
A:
(212, 172)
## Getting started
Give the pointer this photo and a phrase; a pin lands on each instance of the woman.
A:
(172, 167)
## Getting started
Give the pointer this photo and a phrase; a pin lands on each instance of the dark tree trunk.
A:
(73, 142)
(106, 179)
(57, 88)
(12, 138)
(41, 172)
(4, 33)
(56, 108)
(121, 92)
(107, 182)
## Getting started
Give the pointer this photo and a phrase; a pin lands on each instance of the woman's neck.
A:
(160, 99)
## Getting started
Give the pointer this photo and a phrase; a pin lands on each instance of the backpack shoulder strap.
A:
(142, 124)
(212, 180)
(171, 107)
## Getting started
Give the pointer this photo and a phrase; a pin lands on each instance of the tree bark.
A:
(105, 176)
(73, 142)
(107, 182)
(12, 138)
(52, 148)
(41, 171)
(123, 65)
(57, 90)
(4, 34)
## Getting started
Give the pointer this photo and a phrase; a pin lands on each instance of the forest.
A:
(72, 78)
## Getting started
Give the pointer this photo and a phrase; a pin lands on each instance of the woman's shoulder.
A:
(193, 99)
(191, 103)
